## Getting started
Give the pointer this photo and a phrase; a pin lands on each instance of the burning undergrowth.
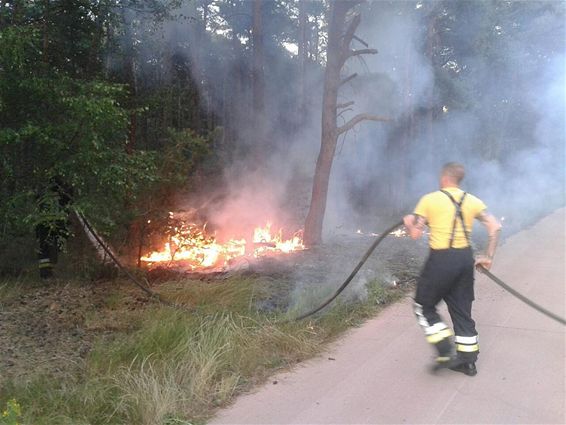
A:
(289, 277)
(190, 247)
(250, 228)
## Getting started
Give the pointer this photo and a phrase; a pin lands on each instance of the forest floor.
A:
(52, 325)
(78, 350)
(98, 351)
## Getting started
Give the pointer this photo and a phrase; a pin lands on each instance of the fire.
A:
(399, 233)
(191, 246)
(265, 242)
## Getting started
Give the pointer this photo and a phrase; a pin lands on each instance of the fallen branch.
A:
(96, 241)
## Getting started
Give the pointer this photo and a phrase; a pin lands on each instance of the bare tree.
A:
(258, 74)
(302, 57)
(340, 35)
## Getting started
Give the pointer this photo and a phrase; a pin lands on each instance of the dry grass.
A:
(178, 367)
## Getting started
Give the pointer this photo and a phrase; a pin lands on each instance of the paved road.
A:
(380, 376)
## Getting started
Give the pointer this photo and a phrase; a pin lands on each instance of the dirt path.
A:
(378, 373)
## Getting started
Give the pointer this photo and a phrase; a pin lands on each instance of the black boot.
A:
(446, 357)
(467, 368)
(445, 362)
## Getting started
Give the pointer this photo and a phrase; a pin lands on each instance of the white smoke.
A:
(520, 173)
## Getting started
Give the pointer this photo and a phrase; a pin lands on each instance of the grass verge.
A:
(177, 367)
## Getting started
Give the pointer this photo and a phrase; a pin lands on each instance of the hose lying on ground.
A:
(480, 268)
(157, 297)
(354, 272)
(521, 296)
(145, 288)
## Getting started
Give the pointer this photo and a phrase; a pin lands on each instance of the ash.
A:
(302, 280)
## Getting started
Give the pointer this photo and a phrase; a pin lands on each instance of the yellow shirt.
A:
(439, 211)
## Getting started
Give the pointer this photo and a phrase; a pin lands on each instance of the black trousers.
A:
(48, 240)
(448, 275)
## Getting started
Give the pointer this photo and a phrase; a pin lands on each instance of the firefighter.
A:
(53, 229)
(448, 273)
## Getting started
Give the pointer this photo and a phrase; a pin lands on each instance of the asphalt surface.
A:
(378, 374)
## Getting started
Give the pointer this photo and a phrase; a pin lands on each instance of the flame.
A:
(192, 246)
(275, 243)
(399, 233)
(263, 234)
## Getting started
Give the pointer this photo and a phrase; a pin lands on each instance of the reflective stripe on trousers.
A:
(437, 334)
(45, 263)
(467, 344)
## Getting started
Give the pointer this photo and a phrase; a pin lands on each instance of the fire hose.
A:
(153, 295)
(372, 248)
(520, 296)
(482, 269)
(354, 272)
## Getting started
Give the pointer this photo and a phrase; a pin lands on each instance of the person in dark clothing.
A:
(54, 202)
(448, 273)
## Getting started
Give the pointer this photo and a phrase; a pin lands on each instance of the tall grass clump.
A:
(178, 367)
(207, 360)
(192, 376)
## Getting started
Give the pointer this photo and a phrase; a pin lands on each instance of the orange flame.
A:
(191, 245)
(399, 233)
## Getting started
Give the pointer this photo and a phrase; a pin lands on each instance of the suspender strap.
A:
(457, 215)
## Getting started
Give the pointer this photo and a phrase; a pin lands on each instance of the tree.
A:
(340, 35)
(258, 76)
(53, 125)
(302, 59)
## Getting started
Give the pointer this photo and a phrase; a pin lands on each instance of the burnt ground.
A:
(51, 327)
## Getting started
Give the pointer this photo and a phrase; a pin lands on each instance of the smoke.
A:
(490, 94)
(501, 112)
(267, 178)
(499, 109)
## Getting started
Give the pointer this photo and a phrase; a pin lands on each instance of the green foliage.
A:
(54, 125)
(12, 413)
(183, 152)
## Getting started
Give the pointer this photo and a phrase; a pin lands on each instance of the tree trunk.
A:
(302, 61)
(315, 216)
(17, 12)
(340, 36)
(206, 93)
(431, 43)
(95, 47)
(45, 30)
(400, 182)
(131, 78)
(236, 102)
(258, 78)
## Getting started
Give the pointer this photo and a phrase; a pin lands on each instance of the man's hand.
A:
(484, 261)
(415, 225)
(409, 220)
(493, 228)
